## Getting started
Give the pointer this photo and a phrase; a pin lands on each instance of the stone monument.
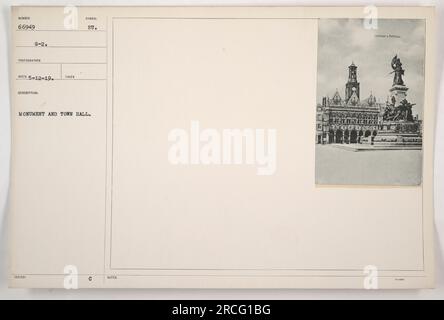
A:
(399, 129)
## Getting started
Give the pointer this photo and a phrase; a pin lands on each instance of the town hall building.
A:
(348, 119)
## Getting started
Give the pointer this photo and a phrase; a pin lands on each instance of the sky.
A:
(343, 41)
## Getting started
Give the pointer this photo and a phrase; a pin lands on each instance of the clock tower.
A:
(352, 85)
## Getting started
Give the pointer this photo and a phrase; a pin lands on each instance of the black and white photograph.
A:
(370, 97)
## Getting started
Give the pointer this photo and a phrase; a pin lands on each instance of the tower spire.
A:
(352, 85)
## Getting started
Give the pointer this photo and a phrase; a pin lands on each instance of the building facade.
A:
(349, 119)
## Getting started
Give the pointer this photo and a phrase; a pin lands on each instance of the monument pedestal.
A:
(399, 93)
(397, 135)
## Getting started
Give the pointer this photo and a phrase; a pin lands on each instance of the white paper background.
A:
(6, 293)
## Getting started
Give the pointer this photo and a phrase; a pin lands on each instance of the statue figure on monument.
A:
(403, 112)
(398, 109)
(398, 71)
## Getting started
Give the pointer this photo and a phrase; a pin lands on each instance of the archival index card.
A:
(260, 147)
